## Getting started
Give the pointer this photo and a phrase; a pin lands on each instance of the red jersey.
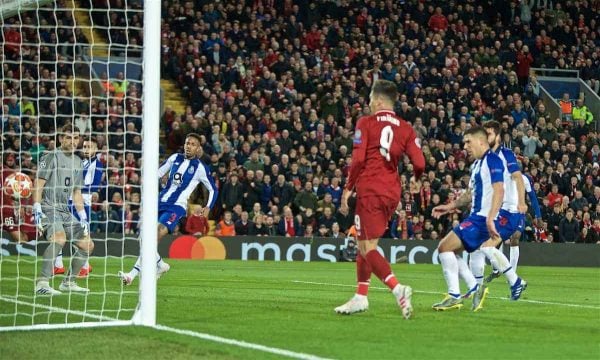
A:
(9, 216)
(380, 142)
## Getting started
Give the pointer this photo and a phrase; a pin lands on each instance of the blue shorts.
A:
(169, 215)
(507, 223)
(87, 208)
(472, 232)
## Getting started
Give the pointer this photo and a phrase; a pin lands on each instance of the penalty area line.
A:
(239, 343)
(439, 293)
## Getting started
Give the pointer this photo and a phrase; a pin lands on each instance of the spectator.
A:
(568, 228)
(349, 253)
(226, 227)
(233, 192)
(306, 199)
(243, 226)
(196, 223)
(258, 227)
(288, 225)
(283, 194)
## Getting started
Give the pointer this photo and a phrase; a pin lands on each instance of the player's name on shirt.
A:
(388, 118)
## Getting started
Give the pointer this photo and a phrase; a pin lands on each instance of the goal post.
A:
(43, 63)
(146, 314)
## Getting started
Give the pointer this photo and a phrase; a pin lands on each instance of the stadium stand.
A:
(275, 89)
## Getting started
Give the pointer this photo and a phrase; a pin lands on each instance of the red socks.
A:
(381, 268)
(363, 275)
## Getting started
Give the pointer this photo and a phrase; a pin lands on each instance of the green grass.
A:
(263, 303)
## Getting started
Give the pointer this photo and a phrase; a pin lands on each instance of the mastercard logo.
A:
(190, 247)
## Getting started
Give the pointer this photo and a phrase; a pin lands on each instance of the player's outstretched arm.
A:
(459, 203)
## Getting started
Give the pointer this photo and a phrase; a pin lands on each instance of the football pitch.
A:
(266, 310)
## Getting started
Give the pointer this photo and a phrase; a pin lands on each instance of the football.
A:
(18, 185)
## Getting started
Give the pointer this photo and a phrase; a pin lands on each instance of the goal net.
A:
(78, 62)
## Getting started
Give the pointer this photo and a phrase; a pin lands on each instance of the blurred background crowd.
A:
(275, 89)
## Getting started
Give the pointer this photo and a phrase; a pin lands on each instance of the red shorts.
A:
(372, 216)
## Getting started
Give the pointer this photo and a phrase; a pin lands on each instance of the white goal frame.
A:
(145, 313)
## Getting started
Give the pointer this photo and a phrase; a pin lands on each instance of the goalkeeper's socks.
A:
(381, 268)
(59, 261)
(363, 275)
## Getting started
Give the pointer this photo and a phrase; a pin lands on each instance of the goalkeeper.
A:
(58, 178)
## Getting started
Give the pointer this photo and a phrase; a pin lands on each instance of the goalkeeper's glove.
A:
(39, 216)
(85, 225)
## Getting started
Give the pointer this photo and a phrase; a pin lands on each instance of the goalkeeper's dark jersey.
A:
(63, 174)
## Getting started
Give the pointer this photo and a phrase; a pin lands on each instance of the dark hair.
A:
(385, 88)
(477, 131)
(493, 124)
(195, 136)
(91, 139)
(69, 128)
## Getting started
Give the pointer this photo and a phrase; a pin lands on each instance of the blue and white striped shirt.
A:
(484, 173)
(184, 176)
(511, 195)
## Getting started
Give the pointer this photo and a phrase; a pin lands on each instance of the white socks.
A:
(477, 264)
(465, 273)
(450, 269)
(58, 261)
(500, 262)
(514, 257)
(138, 266)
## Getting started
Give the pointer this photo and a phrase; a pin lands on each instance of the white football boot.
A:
(358, 303)
(43, 288)
(71, 286)
(161, 269)
(403, 294)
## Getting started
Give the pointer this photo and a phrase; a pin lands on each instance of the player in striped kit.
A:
(512, 213)
(185, 171)
(514, 239)
(480, 229)
(93, 171)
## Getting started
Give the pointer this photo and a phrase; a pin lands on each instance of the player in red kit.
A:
(13, 221)
(380, 141)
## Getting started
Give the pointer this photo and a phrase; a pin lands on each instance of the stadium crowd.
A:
(275, 89)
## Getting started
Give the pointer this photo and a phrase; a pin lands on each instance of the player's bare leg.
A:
(84, 248)
(161, 266)
(447, 248)
(55, 245)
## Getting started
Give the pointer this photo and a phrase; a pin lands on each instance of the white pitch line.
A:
(113, 322)
(437, 293)
(239, 343)
(56, 309)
